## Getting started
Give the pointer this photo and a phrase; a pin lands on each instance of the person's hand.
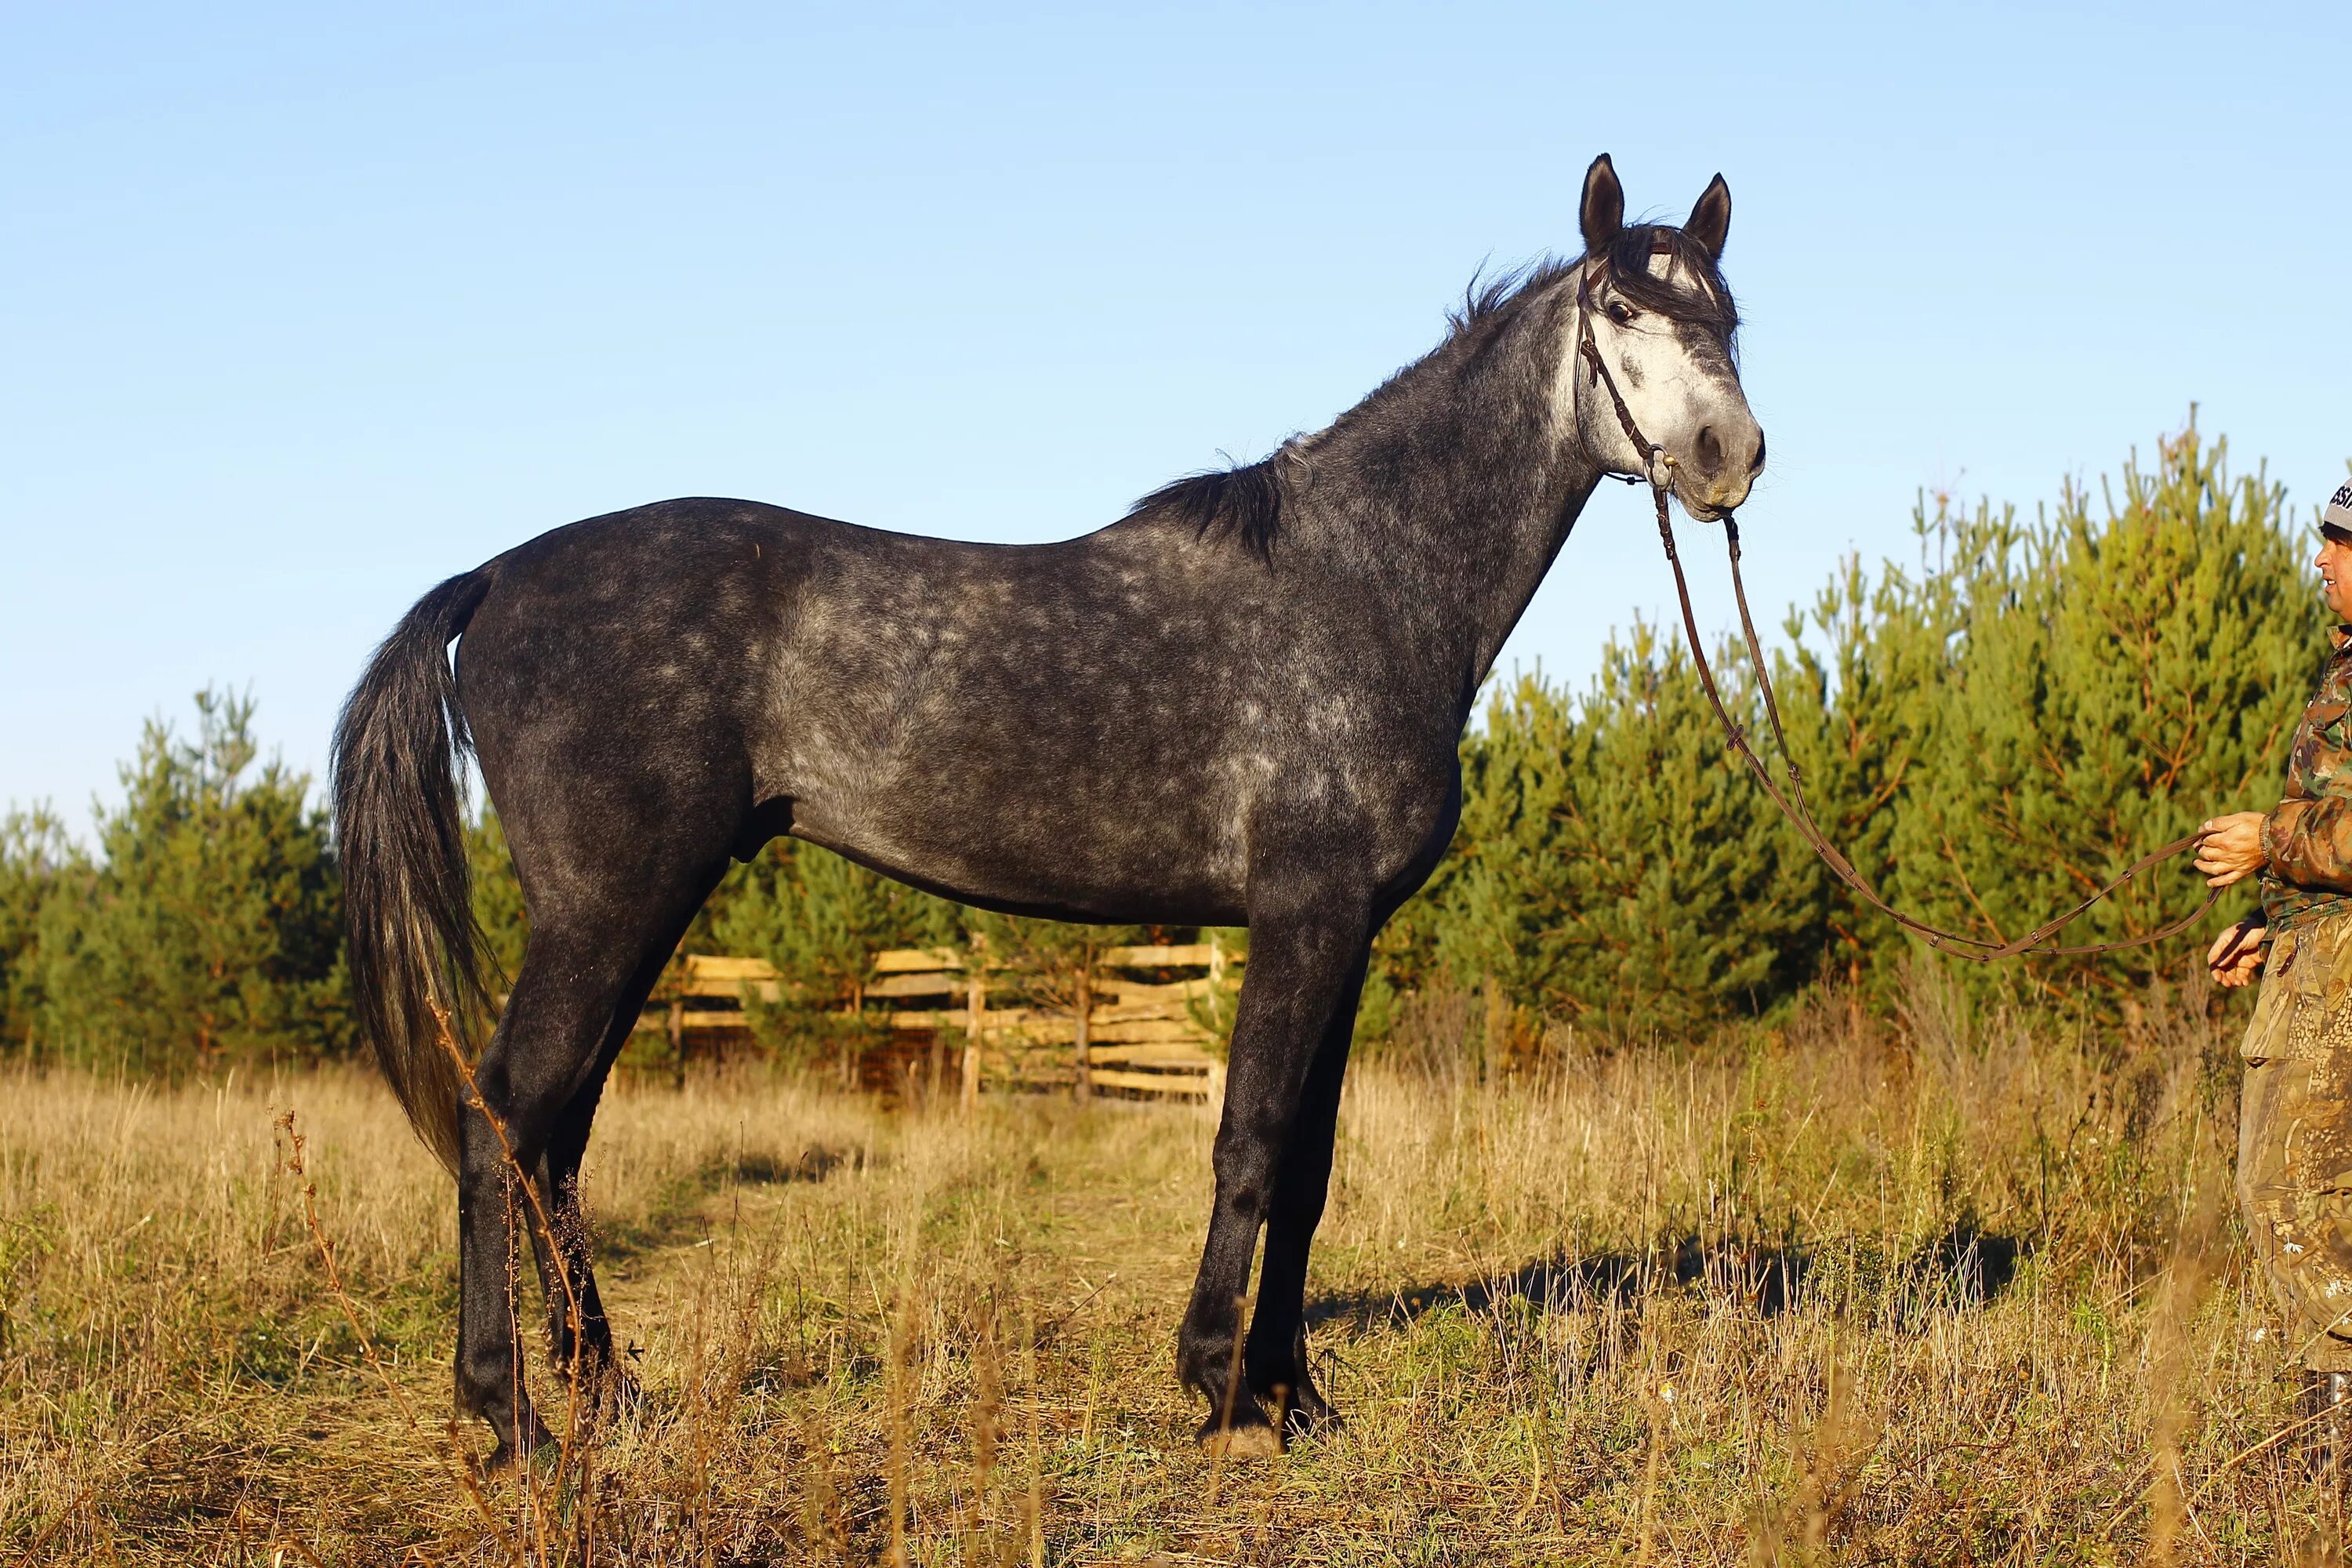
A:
(2230, 848)
(2236, 955)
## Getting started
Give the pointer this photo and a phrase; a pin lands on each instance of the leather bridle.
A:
(1660, 466)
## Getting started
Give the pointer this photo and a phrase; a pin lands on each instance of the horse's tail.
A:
(415, 952)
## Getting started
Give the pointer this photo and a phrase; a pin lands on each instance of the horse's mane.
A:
(1246, 501)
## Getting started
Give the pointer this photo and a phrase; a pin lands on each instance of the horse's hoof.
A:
(1300, 1412)
(539, 1446)
(1256, 1441)
(507, 1460)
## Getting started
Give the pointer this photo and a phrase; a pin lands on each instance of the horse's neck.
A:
(1463, 534)
(1529, 545)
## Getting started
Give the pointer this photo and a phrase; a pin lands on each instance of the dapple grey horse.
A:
(1292, 648)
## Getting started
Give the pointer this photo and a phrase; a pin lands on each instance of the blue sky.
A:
(303, 309)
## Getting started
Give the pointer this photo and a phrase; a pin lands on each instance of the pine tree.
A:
(207, 931)
(36, 859)
(1860, 718)
(2134, 675)
(1989, 735)
(1614, 868)
(1989, 732)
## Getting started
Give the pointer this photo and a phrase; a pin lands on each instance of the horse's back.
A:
(943, 710)
(1083, 728)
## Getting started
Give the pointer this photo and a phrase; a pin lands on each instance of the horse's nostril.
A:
(1756, 463)
(1709, 452)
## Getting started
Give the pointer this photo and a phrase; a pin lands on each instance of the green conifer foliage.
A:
(207, 931)
(1861, 709)
(2114, 683)
(1989, 732)
(1610, 867)
(497, 896)
(35, 858)
(505, 919)
(1050, 965)
(1989, 735)
(820, 919)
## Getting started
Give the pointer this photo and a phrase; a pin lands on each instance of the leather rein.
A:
(1660, 466)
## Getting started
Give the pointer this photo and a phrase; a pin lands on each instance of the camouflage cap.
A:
(2335, 519)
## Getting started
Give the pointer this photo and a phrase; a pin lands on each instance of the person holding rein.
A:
(2294, 1118)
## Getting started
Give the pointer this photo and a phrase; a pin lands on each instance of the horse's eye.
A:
(1620, 312)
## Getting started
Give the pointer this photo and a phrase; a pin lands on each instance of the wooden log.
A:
(1171, 1054)
(1000, 1069)
(975, 1028)
(693, 1018)
(1184, 956)
(1140, 1030)
(1143, 1013)
(938, 982)
(1188, 1084)
(730, 990)
(999, 1020)
(1138, 994)
(1038, 1029)
(916, 960)
(703, 966)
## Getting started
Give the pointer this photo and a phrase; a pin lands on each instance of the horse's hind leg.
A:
(584, 973)
(579, 1335)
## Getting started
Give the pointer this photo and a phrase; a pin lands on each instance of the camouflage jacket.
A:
(2308, 839)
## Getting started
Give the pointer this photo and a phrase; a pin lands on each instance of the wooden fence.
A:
(1144, 1021)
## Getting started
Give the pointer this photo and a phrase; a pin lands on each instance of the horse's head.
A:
(1661, 321)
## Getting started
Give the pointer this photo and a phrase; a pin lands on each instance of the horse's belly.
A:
(1066, 855)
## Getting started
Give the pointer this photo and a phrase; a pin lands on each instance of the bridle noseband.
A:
(1660, 470)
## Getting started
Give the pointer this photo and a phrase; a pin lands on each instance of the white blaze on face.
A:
(1671, 396)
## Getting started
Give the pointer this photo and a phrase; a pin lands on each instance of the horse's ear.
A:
(1710, 220)
(1604, 212)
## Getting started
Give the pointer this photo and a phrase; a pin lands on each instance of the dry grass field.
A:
(1963, 1291)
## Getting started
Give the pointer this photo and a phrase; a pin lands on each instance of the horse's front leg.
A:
(1307, 949)
(1274, 1361)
